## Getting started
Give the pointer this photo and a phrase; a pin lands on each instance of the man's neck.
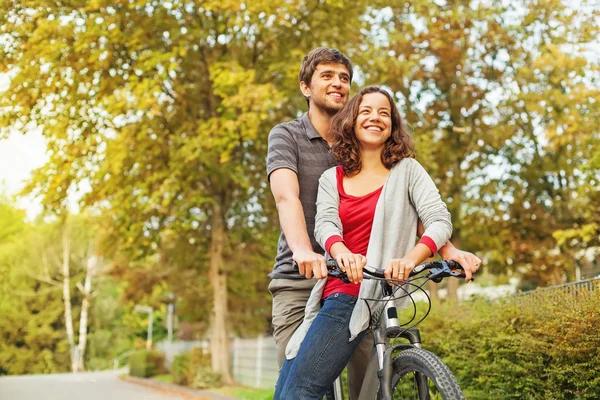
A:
(321, 121)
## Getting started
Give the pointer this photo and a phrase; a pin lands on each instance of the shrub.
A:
(180, 368)
(536, 347)
(194, 369)
(206, 378)
(146, 363)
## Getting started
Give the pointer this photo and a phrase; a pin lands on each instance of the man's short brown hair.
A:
(322, 55)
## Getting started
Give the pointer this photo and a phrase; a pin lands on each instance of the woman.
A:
(367, 208)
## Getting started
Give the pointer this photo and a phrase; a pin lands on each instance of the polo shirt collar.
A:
(311, 132)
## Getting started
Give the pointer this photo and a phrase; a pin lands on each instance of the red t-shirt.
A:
(356, 215)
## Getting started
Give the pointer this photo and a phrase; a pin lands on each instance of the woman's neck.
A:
(371, 160)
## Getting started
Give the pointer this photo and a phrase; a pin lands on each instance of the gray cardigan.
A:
(408, 194)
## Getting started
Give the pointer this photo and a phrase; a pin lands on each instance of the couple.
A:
(373, 198)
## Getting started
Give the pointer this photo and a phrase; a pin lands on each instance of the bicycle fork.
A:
(384, 352)
(338, 393)
(384, 355)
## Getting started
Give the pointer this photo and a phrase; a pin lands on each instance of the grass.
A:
(163, 378)
(239, 392)
(246, 393)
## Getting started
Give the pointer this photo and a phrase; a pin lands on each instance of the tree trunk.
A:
(67, 298)
(219, 342)
(85, 305)
(453, 289)
(432, 287)
(453, 282)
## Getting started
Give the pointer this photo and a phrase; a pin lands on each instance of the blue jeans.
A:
(324, 353)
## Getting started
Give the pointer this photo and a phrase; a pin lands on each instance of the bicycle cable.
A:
(407, 293)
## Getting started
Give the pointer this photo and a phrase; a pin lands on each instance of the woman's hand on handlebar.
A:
(399, 269)
(352, 264)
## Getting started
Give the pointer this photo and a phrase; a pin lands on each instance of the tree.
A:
(456, 67)
(62, 256)
(546, 190)
(32, 325)
(164, 109)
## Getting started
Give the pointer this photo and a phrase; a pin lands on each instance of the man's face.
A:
(329, 87)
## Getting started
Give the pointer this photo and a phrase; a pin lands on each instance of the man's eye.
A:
(345, 79)
(326, 76)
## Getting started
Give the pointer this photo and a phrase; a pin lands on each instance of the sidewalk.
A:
(178, 390)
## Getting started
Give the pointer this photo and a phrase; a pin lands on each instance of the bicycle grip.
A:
(331, 265)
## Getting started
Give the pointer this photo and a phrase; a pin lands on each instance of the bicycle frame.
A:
(379, 370)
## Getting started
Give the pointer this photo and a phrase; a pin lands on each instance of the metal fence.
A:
(559, 292)
(254, 361)
(174, 348)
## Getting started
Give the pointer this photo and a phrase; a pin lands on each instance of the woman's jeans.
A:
(324, 352)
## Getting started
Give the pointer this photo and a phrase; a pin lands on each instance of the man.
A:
(299, 152)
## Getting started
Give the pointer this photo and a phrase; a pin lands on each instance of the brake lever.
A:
(436, 274)
(338, 273)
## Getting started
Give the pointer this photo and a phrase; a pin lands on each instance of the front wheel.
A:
(419, 374)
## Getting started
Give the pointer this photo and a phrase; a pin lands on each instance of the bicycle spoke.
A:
(407, 388)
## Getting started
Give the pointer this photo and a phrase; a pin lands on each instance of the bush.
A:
(535, 347)
(180, 368)
(146, 363)
(194, 369)
(206, 378)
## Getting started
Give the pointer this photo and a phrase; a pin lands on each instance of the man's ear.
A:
(305, 89)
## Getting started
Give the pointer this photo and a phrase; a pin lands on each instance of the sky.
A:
(20, 154)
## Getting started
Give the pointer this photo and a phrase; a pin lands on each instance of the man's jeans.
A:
(324, 353)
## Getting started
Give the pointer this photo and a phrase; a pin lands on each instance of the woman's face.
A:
(374, 121)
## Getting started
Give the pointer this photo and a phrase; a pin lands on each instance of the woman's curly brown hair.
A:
(346, 147)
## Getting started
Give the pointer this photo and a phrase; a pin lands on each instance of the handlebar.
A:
(438, 270)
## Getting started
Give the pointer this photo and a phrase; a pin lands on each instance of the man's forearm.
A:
(448, 246)
(293, 225)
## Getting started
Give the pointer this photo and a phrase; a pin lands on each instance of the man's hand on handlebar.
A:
(310, 264)
(469, 261)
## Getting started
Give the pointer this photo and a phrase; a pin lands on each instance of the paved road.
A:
(88, 386)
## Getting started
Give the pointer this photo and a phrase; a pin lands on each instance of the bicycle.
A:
(412, 373)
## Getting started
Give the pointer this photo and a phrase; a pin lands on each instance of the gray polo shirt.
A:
(297, 145)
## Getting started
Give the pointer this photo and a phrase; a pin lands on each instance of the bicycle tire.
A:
(440, 382)
(329, 395)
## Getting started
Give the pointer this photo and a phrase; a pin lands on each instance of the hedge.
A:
(194, 369)
(541, 346)
(146, 363)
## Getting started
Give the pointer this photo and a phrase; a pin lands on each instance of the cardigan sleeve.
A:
(428, 203)
(327, 220)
